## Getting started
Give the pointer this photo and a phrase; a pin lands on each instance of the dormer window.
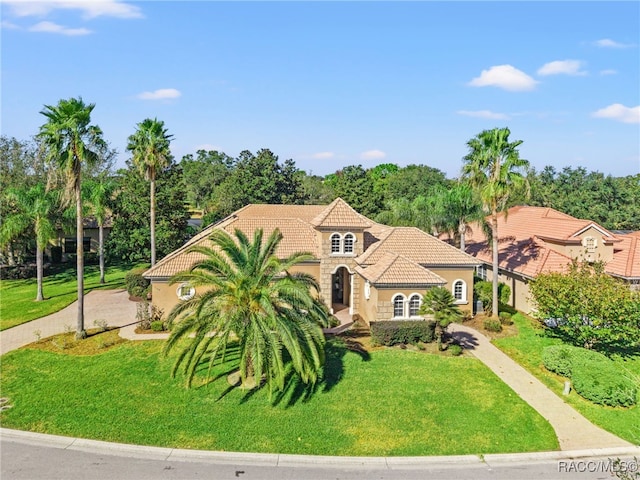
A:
(590, 243)
(342, 244)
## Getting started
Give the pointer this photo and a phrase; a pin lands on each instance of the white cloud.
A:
(608, 72)
(89, 9)
(160, 94)
(506, 77)
(484, 114)
(323, 155)
(372, 155)
(562, 67)
(608, 43)
(9, 25)
(620, 113)
(50, 27)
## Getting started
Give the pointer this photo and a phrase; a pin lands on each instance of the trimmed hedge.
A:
(492, 325)
(402, 332)
(602, 383)
(593, 375)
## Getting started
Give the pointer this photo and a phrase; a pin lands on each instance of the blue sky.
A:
(331, 84)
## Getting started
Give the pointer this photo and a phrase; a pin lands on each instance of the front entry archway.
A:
(341, 289)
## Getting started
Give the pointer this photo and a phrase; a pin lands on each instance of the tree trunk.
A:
(39, 269)
(462, 229)
(153, 222)
(101, 250)
(494, 234)
(80, 331)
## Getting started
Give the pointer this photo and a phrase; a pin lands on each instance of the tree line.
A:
(66, 173)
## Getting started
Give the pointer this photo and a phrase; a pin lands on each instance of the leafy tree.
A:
(413, 181)
(203, 174)
(315, 190)
(592, 309)
(100, 192)
(36, 209)
(439, 302)
(356, 187)
(493, 168)
(403, 212)
(72, 143)
(149, 146)
(454, 209)
(129, 239)
(250, 295)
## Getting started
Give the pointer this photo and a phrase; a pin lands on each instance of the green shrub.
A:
(492, 325)
(455, 349)
(402, 332)
(601, 382)
(136, 284)
(157, 326)
(560, 359)
(505, 318)
(483, 291)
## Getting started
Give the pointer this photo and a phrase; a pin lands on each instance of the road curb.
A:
(284, 460)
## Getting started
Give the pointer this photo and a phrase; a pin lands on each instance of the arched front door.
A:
(340, 289)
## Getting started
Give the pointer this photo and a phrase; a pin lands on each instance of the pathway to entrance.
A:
(574, 431)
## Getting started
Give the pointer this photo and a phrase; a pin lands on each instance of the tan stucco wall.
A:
(520, 298)
(464, 274)
(602, 252)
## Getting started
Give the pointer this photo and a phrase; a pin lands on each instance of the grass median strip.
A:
(395, 403)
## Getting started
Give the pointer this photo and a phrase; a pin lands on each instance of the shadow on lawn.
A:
(295, 390)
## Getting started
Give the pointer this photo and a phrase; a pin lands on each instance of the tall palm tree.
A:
(494, 169)
(454, 208)
(35, 208)
(72, 143)
(440, 302)
(150, 148)
(249, 295)
(99, 193)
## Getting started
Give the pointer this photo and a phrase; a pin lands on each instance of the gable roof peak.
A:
(339, 214)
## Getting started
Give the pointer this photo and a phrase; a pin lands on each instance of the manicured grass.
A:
(526, 348)
(389, 402)
(17, 304)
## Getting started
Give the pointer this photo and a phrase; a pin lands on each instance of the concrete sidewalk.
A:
(574, 431)
(112, 306)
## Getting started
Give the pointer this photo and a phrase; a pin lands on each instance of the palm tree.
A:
(99, 193)
(35, 208)
(454, 208)
(150, 148)
(250, 296)
(71, 144)
(440, 303)
(493, 168)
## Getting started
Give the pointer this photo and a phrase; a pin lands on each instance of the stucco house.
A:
(372, 271)
(535, 240)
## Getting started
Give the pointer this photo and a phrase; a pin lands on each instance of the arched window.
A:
(414, 305)
(398, 306)
(460, 291)
(185, 291)
(335, 243)
(349, 239)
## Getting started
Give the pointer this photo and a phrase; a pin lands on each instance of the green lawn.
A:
(526, 348)
(395, 402)
(17, 304)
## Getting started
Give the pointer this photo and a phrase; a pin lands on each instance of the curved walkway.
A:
(574, 431)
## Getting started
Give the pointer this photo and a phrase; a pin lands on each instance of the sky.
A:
(330, 84)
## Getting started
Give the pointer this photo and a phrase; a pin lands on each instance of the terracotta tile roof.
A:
(339, 214)
(301, 212)
(417, 246)
(524, 236)
(626, 257)
(394, 269)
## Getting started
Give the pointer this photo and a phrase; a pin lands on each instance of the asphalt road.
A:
(46, 458)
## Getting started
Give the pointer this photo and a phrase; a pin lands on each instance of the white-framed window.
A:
(415, 301)
(367, 290)
(398, 306)
(185, 291)
(349, 240)
(459, 288)
(481, 272)
(342, 245)
(590, 243)
(336, 241)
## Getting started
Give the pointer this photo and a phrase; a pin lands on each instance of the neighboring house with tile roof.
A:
(377, 272)
(535, 240)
